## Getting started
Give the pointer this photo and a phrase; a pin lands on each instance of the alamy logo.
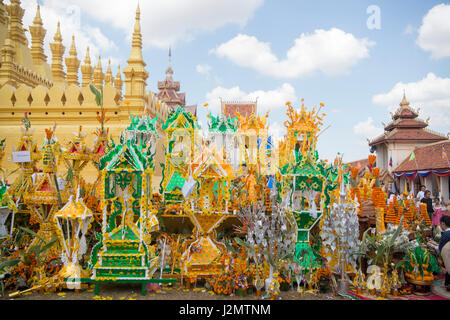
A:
(374, 20)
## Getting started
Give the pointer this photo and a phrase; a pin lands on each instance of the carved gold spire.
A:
(72, 64)
(38, 33)
(135, 73)
(118, 83)
(108, 75)
(7, 53)
(58, 49)
(405, 102)
(98, 74)
(3, 13)
(86, 70)
(16, 14)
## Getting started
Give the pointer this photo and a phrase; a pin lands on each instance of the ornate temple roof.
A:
(231, 108)
(406, 127)
(169, 91)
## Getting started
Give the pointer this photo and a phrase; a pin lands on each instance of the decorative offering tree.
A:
(73, 222)
(124, 253)
(179, 144)
(305, 179)
(222, 133)
(340, 233)
(76, 157)
(209, 208)
(26, 144)
(46, 196)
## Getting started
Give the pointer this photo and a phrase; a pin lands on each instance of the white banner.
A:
(21, 156)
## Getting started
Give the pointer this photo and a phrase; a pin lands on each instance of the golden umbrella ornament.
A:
(73, 222)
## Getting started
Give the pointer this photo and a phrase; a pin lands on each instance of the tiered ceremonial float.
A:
(305, 180)
(204, 256)
(124, 253)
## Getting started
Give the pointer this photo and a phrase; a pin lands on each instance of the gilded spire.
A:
(86, 70)
(16, 13)
(135, 73)
(58, 49)
(38, 33)
(37, 19)
(3, 13)
(109, 76)
(118, 83)
(169, 71)
(136, 48)
(405, 102)
(8, 51)
(72, 64)
(98, 74)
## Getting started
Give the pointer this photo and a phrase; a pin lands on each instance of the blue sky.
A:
(407, 52)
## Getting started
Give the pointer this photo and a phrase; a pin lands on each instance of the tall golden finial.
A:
(72, 64)
(135, 73)
(405, 102)
(118, 83)
(37, 19)
(57, 47)
(86, 70)
(38, 33)
(109, 76)
(98, 74)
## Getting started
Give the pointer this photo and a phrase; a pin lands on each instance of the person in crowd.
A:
(429, 202)
(444, 247)
(421, 193)
(437, 213)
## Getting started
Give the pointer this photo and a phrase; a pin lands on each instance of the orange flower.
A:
(206, 104)
(322, 105)
(288, 103)
(354, 172)
(376, 172)
(127, 102)
(372, 159)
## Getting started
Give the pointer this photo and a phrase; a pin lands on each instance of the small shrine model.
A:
(47, 194)
(208, 209)
(124, 253)
(73, 222)
(305, 183)
(179, 154)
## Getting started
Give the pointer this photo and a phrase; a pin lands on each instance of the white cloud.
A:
(204, 69)
(431, 94)
(367, 130)
(165, 22)
(267, 100)
(409, 30)
(434, 34)
(332, 52)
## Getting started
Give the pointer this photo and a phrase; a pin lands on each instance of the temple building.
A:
(406, 132)
(169, 91)
(245, 109)
(52, 92)
(404, 135)
(430, 166)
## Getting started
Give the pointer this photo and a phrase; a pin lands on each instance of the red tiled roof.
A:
(408, 136)
(192, 109)
(428, 157)
(406, 123)
(405, 112)
(360, 163)
(245, 109)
